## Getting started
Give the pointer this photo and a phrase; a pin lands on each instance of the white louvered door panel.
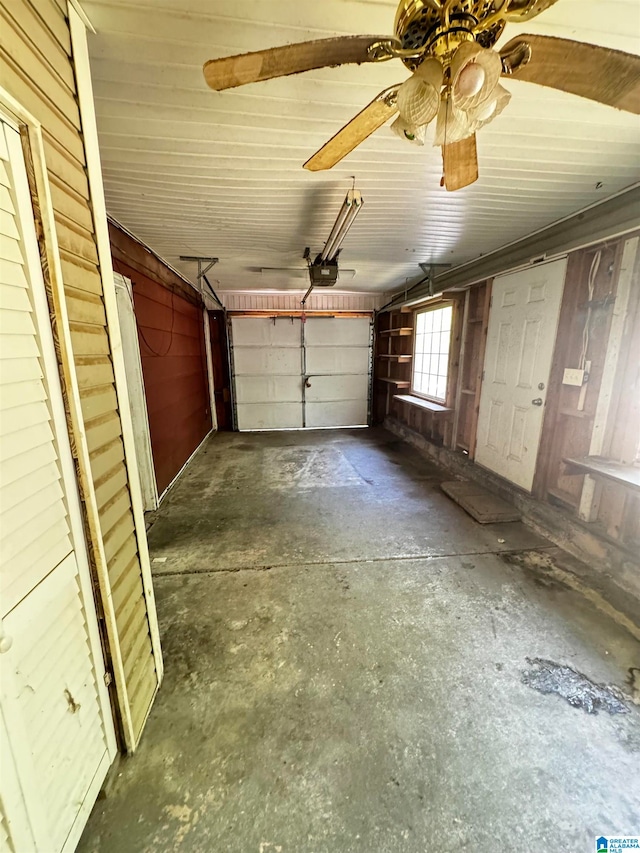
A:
(57, 732)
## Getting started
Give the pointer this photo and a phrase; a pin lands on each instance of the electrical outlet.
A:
(573, 376)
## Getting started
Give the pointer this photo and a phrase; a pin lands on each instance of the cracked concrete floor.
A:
(344, 650)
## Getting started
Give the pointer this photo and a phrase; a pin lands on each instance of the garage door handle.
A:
(5, 640)
(537, 401)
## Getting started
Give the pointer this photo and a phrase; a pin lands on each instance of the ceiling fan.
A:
(448, 47)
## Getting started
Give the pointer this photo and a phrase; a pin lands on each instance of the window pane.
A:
(431, 352)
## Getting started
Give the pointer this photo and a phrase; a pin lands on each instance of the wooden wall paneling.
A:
(221, 370)
(546, 475)
(127, 250)
(446, 429)
(174, 365)
(623, 439)
(482, 319)
(567, 427)
(458, 395)
(609, 368)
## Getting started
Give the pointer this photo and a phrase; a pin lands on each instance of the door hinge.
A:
(483, 375)
(108, 678)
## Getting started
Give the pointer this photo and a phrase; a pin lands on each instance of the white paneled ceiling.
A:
(196, 172)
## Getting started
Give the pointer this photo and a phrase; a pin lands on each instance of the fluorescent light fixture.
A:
(299, 273)
(351, 207)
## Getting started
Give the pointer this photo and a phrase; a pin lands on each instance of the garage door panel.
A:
(270, 389)
(337, 360)
(267, 361)
(343, 413)
(326, 389)
(336, 331)
(269, 416)
(265, 332)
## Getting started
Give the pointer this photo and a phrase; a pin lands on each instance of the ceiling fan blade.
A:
(460, 163)
(356, 131)
(598, 73)
(231, 71)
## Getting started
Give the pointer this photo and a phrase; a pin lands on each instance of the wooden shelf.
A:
(399, 383)
(405, 331)
(623, 475)
(427, 405)
(402, 359)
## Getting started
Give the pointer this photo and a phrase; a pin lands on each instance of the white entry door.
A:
(523, 322)
(57, 738)
(291, 375)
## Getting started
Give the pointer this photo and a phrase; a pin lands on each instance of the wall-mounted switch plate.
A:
(573, 376)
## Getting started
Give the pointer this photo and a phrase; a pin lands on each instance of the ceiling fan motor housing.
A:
(424, 24)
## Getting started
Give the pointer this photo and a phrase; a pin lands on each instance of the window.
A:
(431, 353)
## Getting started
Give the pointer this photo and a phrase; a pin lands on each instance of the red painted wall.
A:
(174, 366)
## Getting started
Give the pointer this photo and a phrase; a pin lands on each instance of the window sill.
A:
(436, 409)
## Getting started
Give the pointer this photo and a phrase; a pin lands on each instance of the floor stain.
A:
(579, 691)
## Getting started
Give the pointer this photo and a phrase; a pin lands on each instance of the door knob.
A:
(537, 402)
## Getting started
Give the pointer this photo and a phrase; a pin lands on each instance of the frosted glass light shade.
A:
(475, 73)
(453, 124)
(409, 132)
(486, 113)
(419, 96)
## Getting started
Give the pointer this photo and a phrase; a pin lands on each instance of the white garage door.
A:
(290, 375)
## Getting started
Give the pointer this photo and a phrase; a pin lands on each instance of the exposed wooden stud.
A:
(602, 423)
(459, 378)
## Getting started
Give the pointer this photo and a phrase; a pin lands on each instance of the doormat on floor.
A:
(479, 503)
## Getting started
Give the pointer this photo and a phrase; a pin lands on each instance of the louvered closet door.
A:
(56, 734)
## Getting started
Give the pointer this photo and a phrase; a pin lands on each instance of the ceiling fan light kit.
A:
(448, 47)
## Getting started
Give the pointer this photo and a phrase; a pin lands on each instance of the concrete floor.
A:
(344, 653)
